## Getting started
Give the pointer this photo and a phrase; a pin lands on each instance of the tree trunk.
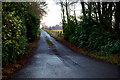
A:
(67, 11)
(96, 12)
(117, 19)
(63, 20)
(110, 15)
(89, 12)
(83, 9)
(99, 13)
(62, 8)
(75, 15)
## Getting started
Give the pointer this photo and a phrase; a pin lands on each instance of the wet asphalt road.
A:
(68, 64)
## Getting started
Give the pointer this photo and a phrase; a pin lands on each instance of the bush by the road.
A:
(91, 35)
(32, 25)
(15, 29)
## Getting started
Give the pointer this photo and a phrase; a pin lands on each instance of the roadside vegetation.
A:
(96, 32)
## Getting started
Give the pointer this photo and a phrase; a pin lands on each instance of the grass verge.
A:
(52, 46)
(48, 41)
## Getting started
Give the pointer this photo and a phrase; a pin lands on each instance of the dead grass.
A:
(48, 41)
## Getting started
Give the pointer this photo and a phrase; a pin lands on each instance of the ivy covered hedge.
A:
(19, 26)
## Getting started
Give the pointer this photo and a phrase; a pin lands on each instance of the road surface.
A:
(68, 64)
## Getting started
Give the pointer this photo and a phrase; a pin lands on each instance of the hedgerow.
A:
(18, 21)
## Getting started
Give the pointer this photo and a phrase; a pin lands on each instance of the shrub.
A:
(13, 36)
(15, 32)
(32, 23)
(73, 39)
(66, 31)
(112, 47)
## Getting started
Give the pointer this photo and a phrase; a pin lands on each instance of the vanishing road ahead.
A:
(46, 64)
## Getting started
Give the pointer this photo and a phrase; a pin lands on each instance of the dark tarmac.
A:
(44, 63)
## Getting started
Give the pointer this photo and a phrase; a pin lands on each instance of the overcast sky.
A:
(53, 16)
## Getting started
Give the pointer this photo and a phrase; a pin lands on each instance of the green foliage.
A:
(73, 39)
(20, 25)
(14, 38)
(96, 29)
(89, 34)
(66, 31)
(112, 47)
(69, 29)
(32, 24)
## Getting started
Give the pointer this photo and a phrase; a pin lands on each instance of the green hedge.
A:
(32, 24)
(92, 35)
(13, 36)
(19, 23)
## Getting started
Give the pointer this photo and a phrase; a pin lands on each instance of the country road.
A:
(46, 64)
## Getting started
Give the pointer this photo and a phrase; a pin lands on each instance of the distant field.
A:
(57, 33)
(57, 30)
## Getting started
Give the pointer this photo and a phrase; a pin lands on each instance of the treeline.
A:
(20, 25)
(98, 27)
